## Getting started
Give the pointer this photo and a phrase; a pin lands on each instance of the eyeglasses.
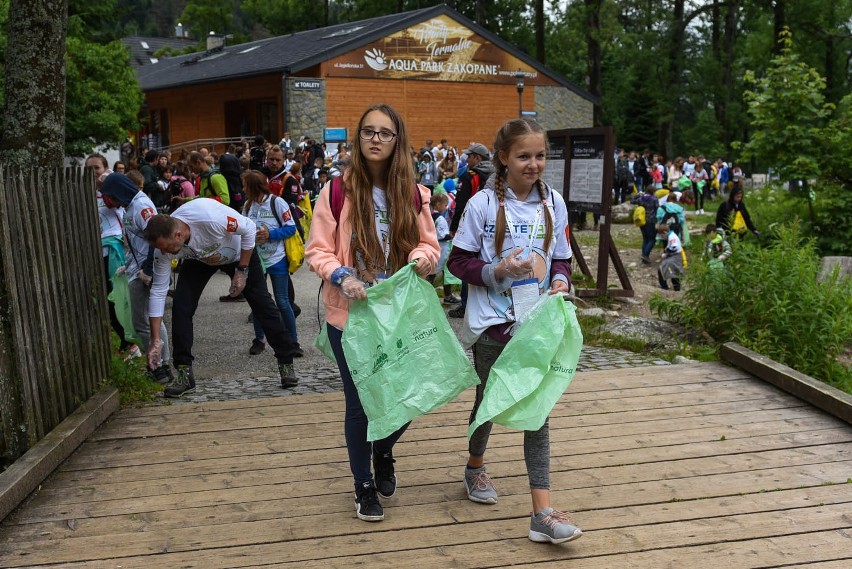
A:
(384, 135)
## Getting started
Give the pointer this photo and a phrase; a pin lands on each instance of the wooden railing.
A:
(54, 339)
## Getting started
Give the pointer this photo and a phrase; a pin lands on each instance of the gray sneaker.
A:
(288, 375)
(552, 526)
(479, 486)
(183, 383)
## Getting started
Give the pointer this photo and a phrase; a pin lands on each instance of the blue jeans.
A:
(355, 423)
(280, 288)
(649, 237)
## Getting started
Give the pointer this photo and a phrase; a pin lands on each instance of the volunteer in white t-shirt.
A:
(208, 236)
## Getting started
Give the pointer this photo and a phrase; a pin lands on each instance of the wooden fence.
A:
(54, 337)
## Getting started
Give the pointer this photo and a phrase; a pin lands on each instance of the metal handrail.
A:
(210, 143)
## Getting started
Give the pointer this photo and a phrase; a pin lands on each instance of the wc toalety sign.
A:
(440, 49)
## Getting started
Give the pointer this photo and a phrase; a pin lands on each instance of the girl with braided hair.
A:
(511, 246)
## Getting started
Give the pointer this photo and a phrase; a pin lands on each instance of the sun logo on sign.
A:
(376, 59)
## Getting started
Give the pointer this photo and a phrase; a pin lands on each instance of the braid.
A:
(500, 222)
(548, 220)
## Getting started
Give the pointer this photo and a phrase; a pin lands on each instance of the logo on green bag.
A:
(399, 343)
(381, 359)
(423, 334)
(559, 368)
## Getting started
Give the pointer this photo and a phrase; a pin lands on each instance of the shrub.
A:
(768, 299)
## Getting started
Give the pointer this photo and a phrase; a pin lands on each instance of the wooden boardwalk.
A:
(695, 466)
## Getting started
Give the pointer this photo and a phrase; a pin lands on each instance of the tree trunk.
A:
(727, 60)
(593, 55)
(779, 23)
(482, 13)
(672, 83)
(33, 122)
(539, 31)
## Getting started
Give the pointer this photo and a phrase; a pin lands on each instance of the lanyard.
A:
(516, 238)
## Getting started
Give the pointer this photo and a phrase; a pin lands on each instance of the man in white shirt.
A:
(209, 237)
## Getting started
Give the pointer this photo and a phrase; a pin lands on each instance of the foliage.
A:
(834, 194)
(134, 386)
(788, 110)
(103, 95)
(769, 300)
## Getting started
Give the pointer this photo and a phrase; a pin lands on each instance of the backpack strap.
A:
(275, 211)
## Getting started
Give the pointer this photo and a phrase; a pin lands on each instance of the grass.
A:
(131, 380)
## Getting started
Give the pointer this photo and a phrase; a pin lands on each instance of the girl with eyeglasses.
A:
(383, 224)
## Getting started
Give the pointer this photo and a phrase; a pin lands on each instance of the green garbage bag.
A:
(322, 343)
(534, 369)
(120, 297)
(404, 358)
(450, 278)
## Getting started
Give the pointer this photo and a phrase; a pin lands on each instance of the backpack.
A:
(229, 168)
(294, 246)
(639, 218)
(256, 158)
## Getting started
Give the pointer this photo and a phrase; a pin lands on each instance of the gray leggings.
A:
(536, 443)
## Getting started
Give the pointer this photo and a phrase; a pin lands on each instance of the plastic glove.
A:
(144, 279)
(155, 354)
(514, 267)
(353, 289)
(120, 271)
(238, 283)
(561, 287)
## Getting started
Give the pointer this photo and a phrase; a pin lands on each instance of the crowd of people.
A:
(486, 217)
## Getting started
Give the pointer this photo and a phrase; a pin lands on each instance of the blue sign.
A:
(334, 135)
(531, 114)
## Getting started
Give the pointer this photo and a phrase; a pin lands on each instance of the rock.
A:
(652, 332)
(627, 300)
(594, 311)
(612, 314)
(682, 360)
(828, 263)
(622, 213)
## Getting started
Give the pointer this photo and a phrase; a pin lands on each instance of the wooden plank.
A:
(815, 392)
(20, 479)
(169, 466)
(472, 544)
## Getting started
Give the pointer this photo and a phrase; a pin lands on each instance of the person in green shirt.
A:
(210, 183)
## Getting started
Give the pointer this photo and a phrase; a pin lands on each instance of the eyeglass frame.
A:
(373, 133)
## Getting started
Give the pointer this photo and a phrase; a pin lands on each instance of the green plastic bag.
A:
(322, 343)
(450, 278)
(534, 369)
(404, 358)
(120, 297)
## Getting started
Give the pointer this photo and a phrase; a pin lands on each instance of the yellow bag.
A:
(683, 258)
(639, 218)
(739, 224)
(295, 248)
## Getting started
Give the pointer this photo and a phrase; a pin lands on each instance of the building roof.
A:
(298, 51)
(142, 49)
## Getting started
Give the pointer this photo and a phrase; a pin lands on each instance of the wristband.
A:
(242, 269)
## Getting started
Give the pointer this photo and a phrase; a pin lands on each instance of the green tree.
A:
(788, 111)
(205, 16)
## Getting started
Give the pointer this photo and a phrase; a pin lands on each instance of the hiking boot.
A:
(162, 375)
(183, 383)
(385, 477)
(479, 486)
(298, 352)
(452, 299)
(457, 312)
(645, 259)
(257, 347)
(229, 298)
(288, 376)
(367, 506)
(552, 526)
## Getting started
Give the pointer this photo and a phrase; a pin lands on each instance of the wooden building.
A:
(449, 78)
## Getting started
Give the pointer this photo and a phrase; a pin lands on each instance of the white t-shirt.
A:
(217, 236)
(486, 307)
(380, 206)
(110, 222)
(139, 211)
(261, 214)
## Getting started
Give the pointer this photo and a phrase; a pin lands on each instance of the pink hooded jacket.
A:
(328, 248)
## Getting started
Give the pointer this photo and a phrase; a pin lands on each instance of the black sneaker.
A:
(162, 375)
(367, 505)
(257, 347)
(183, 383)
(288, 375)
(229, 298)
(385, 477)
(298, 352)
(457, 312)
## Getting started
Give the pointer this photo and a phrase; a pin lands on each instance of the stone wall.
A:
(560, 108)
(307, 109)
